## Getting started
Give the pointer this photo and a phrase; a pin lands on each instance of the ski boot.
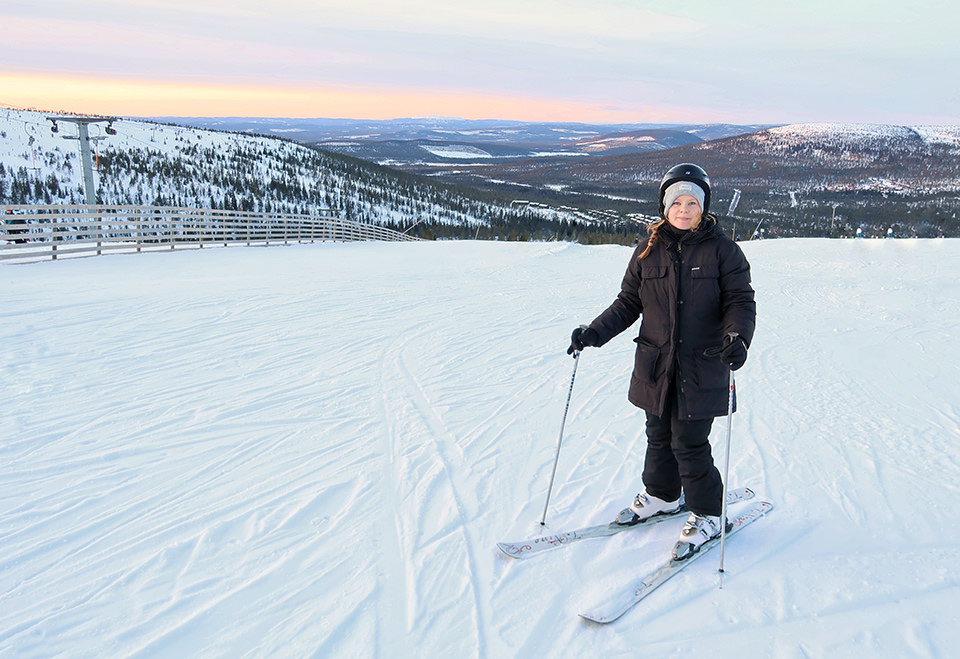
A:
(697, 530)
(644, 507)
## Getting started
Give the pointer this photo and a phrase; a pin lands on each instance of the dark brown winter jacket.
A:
(692, 289)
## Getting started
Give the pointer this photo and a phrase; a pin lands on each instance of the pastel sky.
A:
(609, 61)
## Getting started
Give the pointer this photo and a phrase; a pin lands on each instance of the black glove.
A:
(582, 337)
(734, 351)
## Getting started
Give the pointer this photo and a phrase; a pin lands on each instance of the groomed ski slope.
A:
(313, 450)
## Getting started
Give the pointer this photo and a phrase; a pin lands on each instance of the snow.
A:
(312, 451)
(867, 133)
(828, 131)
(456, 151)
(608, 143)
(949, 135)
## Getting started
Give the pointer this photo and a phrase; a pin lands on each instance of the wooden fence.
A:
(33, 232)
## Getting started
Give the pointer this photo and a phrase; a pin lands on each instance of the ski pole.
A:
(726, 471)
(556, 459)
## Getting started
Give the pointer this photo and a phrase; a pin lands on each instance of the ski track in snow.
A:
(312, 451)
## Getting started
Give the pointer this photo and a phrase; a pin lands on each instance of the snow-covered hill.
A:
(851, 135)
(148, 163)
(312, 451)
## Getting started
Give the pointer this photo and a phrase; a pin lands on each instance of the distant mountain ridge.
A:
(421, 142)
(497, 179)
(434, 128)
(807, 156)
(801, 179)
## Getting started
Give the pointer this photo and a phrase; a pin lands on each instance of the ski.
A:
(620, 603)
(534, 546)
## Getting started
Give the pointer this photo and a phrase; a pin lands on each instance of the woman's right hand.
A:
(582, 337)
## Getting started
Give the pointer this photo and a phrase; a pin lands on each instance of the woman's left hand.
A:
(734, 352)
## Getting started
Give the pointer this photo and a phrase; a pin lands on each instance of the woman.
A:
(691, 284)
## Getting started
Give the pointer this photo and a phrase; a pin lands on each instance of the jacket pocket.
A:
(645, 361)
(705, 288)
(705, 271)
(652, 270)
(650, 275)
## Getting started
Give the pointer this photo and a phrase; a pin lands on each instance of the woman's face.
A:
(684, 212)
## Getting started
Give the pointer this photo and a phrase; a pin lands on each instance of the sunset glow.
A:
(159, 98)
(541, 60)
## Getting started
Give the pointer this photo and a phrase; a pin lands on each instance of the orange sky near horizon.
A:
(154, 98)
(605, 61)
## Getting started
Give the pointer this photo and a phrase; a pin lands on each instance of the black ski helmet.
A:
(686, 172)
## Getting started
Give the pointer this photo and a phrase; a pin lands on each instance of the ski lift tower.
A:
(83, 137)
(733, 207)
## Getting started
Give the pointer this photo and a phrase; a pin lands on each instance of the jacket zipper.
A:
(676, 338)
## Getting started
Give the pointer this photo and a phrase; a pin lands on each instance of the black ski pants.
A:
(679, 456)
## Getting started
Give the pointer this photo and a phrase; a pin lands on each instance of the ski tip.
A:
(589, 617)
(598, 618)
(512, 549)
